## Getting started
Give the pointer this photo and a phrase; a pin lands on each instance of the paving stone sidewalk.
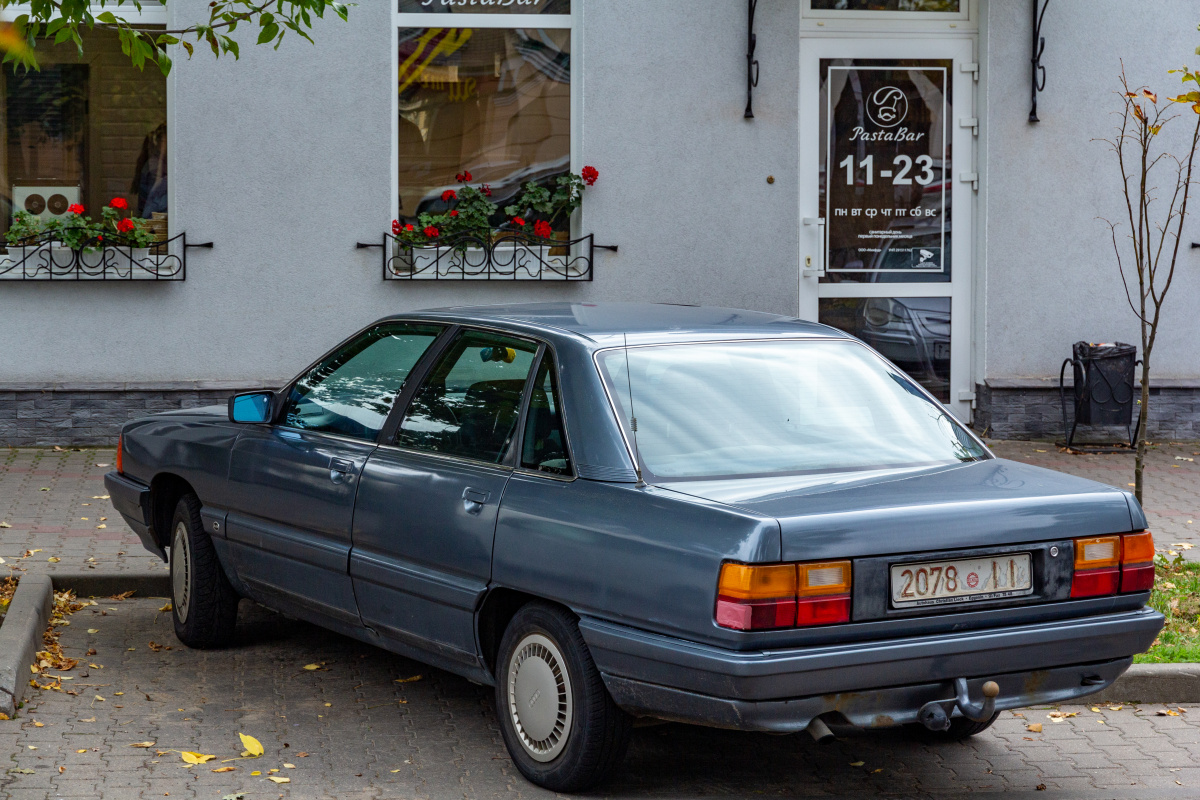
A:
(53, 499)
(352, 731)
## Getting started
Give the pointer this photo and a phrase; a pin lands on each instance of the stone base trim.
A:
(74, 414)
(1154, 683)
(1031, 409)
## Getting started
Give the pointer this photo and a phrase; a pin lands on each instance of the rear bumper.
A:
(131, 499)
(782, 690)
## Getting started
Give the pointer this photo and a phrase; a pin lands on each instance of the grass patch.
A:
(1176, 596)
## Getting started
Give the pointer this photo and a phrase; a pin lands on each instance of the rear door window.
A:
(470, 403)
(544, 445)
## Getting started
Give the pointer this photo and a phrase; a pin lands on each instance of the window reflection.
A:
(493, 102)
(911, 332)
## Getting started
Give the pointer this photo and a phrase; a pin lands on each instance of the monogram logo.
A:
(887, 107)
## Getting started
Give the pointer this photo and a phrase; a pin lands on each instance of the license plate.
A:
(962, 580)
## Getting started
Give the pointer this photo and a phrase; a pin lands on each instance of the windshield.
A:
(777, 407)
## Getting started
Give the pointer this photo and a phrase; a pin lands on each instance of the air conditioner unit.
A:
(47, 202)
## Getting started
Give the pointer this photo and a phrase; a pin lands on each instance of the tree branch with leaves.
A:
(1156, 186)
(64, 21)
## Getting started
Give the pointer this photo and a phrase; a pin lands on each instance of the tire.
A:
(203, 603)
(960, 728)
(584, 736)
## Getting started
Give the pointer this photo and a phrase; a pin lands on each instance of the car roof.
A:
(638, 322)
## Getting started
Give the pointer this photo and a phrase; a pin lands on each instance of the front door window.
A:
(470, 403)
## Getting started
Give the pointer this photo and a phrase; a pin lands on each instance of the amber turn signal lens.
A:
(1095, 553)
(830, 577)
(745, 582)
(1137, 548)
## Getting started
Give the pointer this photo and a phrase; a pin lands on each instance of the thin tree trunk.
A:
(1143, 421)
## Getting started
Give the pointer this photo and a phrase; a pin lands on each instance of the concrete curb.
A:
(28, 615)
(1153, 683)
(91, 585)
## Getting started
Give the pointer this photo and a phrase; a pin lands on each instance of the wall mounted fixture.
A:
(1039, 44)
(751, 64)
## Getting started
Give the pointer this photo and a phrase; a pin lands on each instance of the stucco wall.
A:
(1051, 276)
(282, 159)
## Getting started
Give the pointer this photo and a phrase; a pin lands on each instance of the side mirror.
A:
(253, 407)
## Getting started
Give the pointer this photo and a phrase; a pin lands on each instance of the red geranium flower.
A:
(409, 227)
(518, 221)
(487, 190)
(449, 195)
(119, 203)
(542, 229)
(589, 175)
(396, 227)
(125, 226)
(431, 232)
(463, 177)
(100, 238)
(75, 208)
(454, 212)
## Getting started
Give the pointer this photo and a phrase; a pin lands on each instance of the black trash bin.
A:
(1103, 387)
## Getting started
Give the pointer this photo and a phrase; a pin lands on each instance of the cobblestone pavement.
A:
(442, 740)
(352, 731)
(55, 501)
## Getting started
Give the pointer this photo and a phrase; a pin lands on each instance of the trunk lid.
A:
(953, 507)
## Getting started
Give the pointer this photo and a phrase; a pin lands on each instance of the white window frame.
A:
(892, 22)
(571, 22)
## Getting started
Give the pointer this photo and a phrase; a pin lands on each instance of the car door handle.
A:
(341, 469)
(474, 500)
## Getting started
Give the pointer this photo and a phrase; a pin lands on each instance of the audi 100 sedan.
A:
(612, 511)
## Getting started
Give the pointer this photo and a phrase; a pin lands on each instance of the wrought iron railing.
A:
(46, 257)
(504, 255)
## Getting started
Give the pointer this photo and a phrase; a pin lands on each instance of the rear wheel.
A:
(561, 727)
(204, 604)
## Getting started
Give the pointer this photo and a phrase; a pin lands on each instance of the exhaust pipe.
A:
(820, 731)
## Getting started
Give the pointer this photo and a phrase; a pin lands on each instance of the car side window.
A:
(544, 446)
(470, 404)
(352, 391)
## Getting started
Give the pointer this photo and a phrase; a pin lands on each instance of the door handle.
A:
(819, 270)
(474, 500)
(341, 469)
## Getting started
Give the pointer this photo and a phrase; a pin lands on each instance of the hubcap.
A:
(539, 696)
(181, 572)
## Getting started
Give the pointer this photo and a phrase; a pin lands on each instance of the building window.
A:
(83, 129)
(492, 99)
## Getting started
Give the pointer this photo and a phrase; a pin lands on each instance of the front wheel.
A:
(204, 604)
(561, 727)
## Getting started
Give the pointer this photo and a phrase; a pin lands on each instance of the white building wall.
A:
(1051, 276)
(282, 160)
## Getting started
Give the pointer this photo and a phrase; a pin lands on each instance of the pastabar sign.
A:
(886, 168)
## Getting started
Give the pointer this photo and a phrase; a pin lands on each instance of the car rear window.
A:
(775, 407)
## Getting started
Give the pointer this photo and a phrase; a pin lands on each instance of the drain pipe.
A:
(820, 731)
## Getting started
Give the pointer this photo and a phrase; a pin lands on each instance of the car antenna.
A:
(637, 456)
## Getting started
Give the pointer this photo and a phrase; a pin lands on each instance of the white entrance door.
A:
(885, 155)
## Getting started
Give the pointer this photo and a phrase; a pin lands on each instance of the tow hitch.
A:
(935, 715)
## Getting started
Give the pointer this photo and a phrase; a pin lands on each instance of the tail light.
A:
(1105, 565)
(120, 456)
(763, 597)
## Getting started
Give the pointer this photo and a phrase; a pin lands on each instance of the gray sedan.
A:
(612, 511)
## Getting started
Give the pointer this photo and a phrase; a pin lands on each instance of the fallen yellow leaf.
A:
(289, 766)
(93, 630)
(84, 750)
(195, 758)
(143, 744)
(1095, 709)
(54, 559)
(39, 724)
(254, 749)
(408, 680)
(277, 779)
(118, 694)
(856, 763)
(167, 607)
(101, 699)
(1035, 727)
(311, 667)
(224, 769)
(256, 772)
